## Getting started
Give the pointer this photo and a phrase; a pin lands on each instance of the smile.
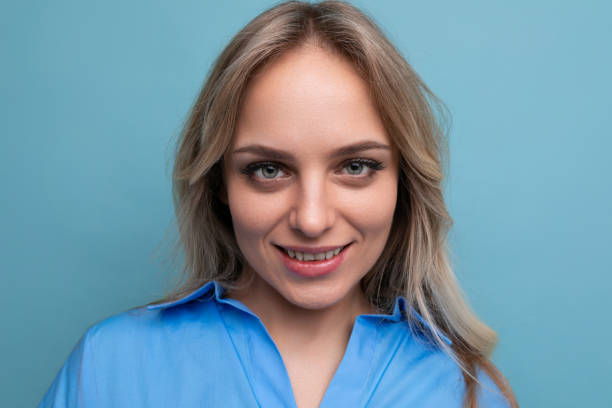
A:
(304, 255)
(309, 263)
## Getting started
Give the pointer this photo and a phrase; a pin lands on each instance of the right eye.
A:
(263, 171)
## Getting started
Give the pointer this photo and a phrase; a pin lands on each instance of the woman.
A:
(307, 192)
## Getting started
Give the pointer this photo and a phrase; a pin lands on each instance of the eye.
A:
(263, 170)
(270, 171)
(358, 167)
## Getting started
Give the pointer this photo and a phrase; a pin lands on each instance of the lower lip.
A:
(311, 269)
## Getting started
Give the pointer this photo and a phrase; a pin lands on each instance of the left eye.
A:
(355, 168)
(358, 167)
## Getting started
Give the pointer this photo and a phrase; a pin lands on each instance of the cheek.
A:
(371, 210)
(254, 214)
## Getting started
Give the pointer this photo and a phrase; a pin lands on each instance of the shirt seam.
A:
(382, 374)
(242, 364)
(89, 346)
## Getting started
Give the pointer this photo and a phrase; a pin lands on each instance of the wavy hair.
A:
(414, 263)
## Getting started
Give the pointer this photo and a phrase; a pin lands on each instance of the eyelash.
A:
(251, 168)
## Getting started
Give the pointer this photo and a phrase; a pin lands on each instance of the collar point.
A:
(187, 298)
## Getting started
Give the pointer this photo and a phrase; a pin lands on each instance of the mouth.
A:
(312, 262)
(314, 255)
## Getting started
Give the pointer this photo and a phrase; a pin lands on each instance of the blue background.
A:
(92, 96)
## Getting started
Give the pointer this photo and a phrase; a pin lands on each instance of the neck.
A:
(294, 328)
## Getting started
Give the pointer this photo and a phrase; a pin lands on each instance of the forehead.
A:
(308, 95)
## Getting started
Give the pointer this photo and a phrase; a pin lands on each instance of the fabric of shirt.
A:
(206, 350)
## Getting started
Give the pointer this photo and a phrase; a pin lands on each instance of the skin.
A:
(309, 103)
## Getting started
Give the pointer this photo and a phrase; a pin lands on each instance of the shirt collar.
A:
(399, 308)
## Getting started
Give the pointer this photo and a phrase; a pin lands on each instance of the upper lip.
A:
(312, 250)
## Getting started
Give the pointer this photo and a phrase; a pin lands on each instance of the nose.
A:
(313, 212)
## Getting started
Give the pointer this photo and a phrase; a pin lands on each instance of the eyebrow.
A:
(283, 155)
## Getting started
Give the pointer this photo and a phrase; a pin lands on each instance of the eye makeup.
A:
(251, 170)
(374, 165)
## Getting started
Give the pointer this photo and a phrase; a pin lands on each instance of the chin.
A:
(315, 298)
(312, 304)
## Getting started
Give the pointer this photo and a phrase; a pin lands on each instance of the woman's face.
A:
(310, 168)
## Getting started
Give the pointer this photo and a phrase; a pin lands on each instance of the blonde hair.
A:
(414, 263)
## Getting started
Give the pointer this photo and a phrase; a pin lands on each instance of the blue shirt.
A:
(205, 350)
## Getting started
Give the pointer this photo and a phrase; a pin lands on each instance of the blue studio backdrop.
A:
(93, 95)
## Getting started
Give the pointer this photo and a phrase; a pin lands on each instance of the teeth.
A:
(304, 256)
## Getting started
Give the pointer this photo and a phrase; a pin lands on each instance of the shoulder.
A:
(489, 394)
(423, 374)
(143, 327)
(100, 370)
